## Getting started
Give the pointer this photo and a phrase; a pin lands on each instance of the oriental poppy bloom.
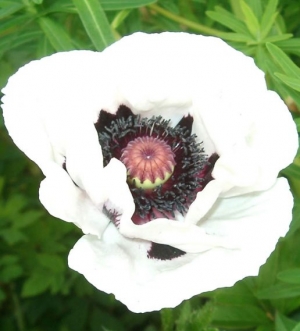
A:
(165, 150)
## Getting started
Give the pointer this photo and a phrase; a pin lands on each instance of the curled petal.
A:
(66, 201)
(120, 266)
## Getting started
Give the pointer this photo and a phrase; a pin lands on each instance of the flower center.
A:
(149, 161)
(166, 165)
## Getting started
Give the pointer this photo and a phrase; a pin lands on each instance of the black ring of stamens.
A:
(180, 190)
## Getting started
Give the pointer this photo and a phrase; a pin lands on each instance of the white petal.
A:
(235, 115)
(64, 200)
(47, 97)
(183, 235)
(120, 266)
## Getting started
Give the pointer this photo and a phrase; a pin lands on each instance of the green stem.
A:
(18, 310)
(192, 25)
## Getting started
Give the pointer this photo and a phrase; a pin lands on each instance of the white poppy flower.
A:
(165, 150)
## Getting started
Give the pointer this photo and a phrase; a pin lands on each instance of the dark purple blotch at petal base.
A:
(191, 173)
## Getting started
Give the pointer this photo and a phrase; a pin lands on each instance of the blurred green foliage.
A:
(37, 290)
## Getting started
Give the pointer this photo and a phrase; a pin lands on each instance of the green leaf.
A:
(36, 284)
(268, 18)
(290, 46)
(225, 18)
(63, 6)
(23, 38)
(119, 18)
(106, 320)
(56, 34)
(283, 61)
(293, 170)
(297, 121)
(294, 83)
(167, 319)
(297, 327)
(279, 291)
(238, 37)
(13, 23)
(44, 48)
(10, 272)
(12, 236)
(184, 316)
(52, 262)
(238, 307)
(250, 20)
(256, 6)
(294, 226)
(9, 10)
(124, 4)
(283, 323)
(95, 23)
(8, 259)
(291, 276)
(242, 316)
(277, 85)
(278, 37)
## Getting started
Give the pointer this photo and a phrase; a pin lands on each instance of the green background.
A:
(38, 292)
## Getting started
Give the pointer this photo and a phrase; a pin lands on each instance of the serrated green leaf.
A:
(95, 23)
(124, 4)
(56, 34)
(279, 291)
(283, 61)
(9, 10)
(292, 82)
(225, 18)
(268, 18)
(291, 276)
(250, 20)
